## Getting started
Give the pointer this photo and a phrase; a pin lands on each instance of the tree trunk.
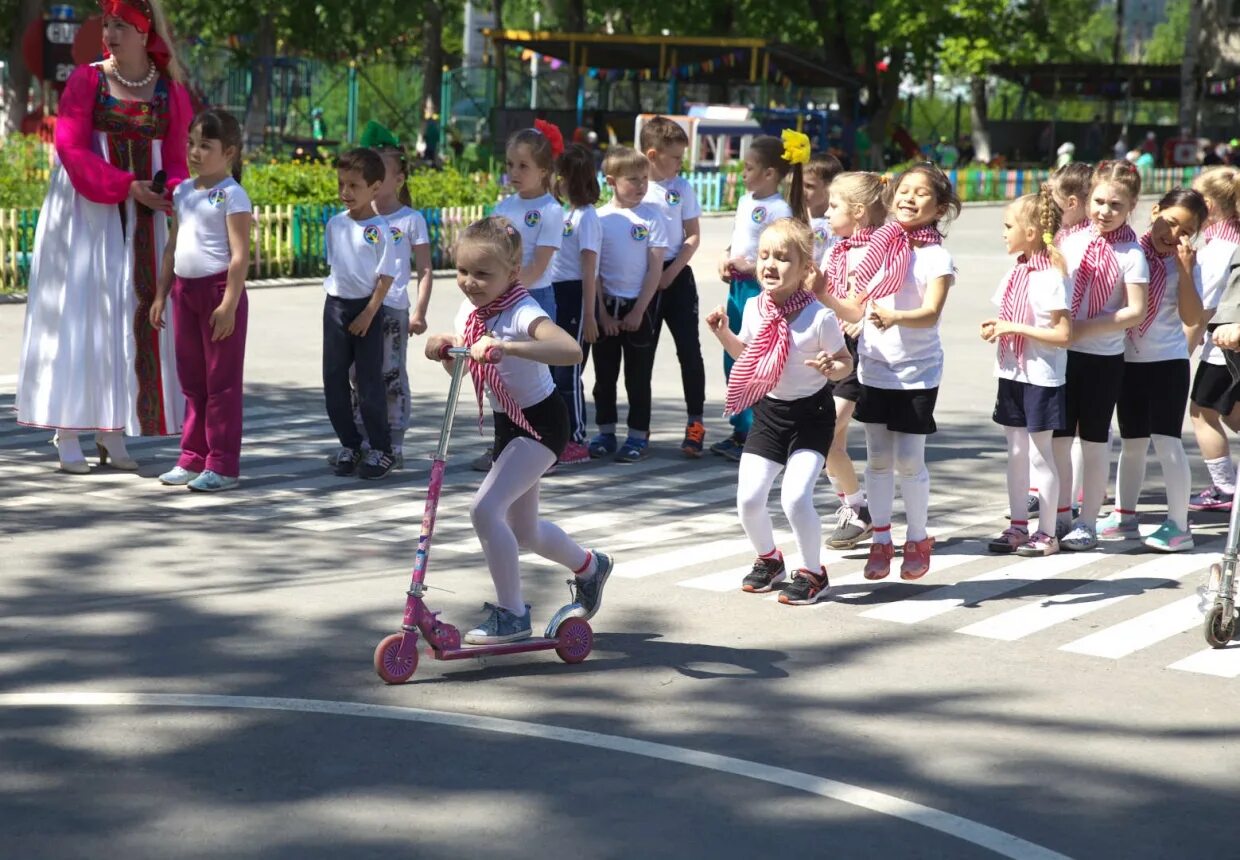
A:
(19, 76)
(432, 55)
(500, 57)
(574, 22)
(979, 113)
(885, 100)
(260, 84)
(1190, 75)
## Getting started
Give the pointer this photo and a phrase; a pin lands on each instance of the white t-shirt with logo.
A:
(1214, 262)
(1164, 340)
(202, 226)
(1133, 270)
(358, 254)
(677, 203)
(1044, 365)
(901, 357)
(628, 236)
(407, 230)
(752, 217)
(814, 329)
(529, 382)
(582, 232)
(824, 239)
(540, 221)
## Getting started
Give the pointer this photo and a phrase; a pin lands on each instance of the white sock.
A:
(1178, 476)
(1223, 474)
(880, 479)
(856, 500)
(754, 480)
(797, 497)
(1017, 472)
(1065, 466)
(1094, 455)
(914, 483)
(1042, 465)
(1077, 490)
(1130, 476)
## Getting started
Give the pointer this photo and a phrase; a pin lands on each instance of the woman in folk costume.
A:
(91, 361)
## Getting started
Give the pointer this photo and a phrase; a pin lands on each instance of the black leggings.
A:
(570, 317)
(636, 349)
(678, 310)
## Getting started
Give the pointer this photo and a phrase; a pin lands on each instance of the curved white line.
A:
(1003, 844)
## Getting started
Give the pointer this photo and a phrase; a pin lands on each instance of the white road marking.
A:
(1141, 632)
(1221, 662)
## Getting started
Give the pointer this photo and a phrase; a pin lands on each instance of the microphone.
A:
(159, 182)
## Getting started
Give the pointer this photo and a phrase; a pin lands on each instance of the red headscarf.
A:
(140, 15)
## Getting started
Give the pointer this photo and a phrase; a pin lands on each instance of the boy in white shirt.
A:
(363, 265)
(630, 265)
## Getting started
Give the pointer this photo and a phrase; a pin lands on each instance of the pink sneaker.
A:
(574, 453)
(878, 565)
(916, 559)
(1210, 499)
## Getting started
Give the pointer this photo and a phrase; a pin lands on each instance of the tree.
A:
(18, 14)
(1168, 44)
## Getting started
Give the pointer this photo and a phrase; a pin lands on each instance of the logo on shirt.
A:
(398, 235)
(568, 228)
(532, 218)
(217, 197)
(640, 232)
(673, 198)
(371, 235)
(759, 214)
(820, 234)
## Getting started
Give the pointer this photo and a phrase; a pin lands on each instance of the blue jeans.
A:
(545, 296)
(739, 292)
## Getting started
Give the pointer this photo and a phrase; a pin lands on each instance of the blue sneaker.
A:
(1169, 538)
(177, 477)
(210, 482)
(500, 626)
(633, 450)
(588, 591)
(730, 448)
(603, 445)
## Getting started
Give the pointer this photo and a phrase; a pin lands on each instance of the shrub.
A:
(24, 171)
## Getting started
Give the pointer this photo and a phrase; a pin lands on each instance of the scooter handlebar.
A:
(494, 355)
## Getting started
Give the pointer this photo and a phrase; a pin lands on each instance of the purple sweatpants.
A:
(210, 375)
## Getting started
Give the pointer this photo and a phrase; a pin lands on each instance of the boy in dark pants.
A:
(363, 264)
(663, 142)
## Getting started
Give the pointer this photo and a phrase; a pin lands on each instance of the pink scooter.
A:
(396, 657)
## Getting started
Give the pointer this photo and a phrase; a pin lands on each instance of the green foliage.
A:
(279, 184)
(439, 188)
(23, 173)
(1167, 43)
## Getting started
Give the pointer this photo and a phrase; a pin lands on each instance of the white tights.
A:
(1176, 474)
(1095, 465)
(1031, 462)
(505, 516)
(755, 479)
(889, 452)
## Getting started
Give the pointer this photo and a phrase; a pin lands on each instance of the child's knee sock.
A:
(755, 477)
(1178, 475)
(797, 496)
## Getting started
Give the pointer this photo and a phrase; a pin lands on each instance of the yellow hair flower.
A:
(1048, 239)
(796, 147)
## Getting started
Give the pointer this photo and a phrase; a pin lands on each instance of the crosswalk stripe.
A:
(1141, 632)
(1086, 599)
(985, 586)
(1220, 662)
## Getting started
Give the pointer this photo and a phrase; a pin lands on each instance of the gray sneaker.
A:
(1062, 528)
(1080, 539)
(500, 626)
(482, 463)
(851, 528)
(588, 591)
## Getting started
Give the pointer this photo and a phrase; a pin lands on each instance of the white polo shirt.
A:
(677, 203)
(407, 229)
(202, 226)
(752, 217)
(628, 237)
(358, 253)
(540, 221)
(582, 232)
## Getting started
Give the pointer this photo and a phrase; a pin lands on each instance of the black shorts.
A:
(1036, 408)
(783, 426)
(1213, 388)
(549, 418)
(1094, 383)
(849, 388)
(1153, 398)
(902, 410)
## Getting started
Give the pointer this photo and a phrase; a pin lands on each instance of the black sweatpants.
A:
(570, 316)
(679, 311)
(636, 350)
(342, 350)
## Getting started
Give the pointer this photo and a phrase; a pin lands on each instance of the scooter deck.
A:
(525, 645)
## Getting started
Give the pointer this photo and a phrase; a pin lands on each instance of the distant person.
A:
(1150, 145)
(1064, 156)
(1214, 154)
(1046, 143)
(1091, 151)
(1121, 148)
(968, 152)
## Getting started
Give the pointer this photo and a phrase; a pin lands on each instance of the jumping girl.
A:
(816, 180)
(531, 425)
(1032, 331)
(787, 344)
(1156, 375)
(1214, 397)
(767, 163)
(857, 207)
(1109, 274)
(574, 277)
(208, 254)
(903, 281)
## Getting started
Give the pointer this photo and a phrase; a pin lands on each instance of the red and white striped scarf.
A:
(758, 369)
(837, 260)
(891, 252)
(1015, 307)
(1065, 232)
(487, 375)
(1099, 274)
(1158, 285)
(1228, 231)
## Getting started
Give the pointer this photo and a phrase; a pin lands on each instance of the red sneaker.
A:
(916, 559)
(878, 565)
(574, 453)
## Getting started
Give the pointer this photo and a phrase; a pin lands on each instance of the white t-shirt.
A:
(677, 203)
(1044, 365)
(900, 357)
(1165, 340)
(628, 236)
(540, 221)
(202, 226)
(1214, 262)
(407, 230)
(752, 217)
(529, 382)
(358, 254)
(582, 232)
(1133, 270)
(823, 238)
(815, 329)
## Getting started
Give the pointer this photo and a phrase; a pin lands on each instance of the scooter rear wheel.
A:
(388, 663)
(1220, 627)
(576, 640)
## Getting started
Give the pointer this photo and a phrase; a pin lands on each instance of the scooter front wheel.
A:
(1220, 626)
(389, 665)
(576, 640)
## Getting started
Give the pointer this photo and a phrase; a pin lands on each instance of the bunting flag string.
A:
(681, 71)
(1224, 86)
